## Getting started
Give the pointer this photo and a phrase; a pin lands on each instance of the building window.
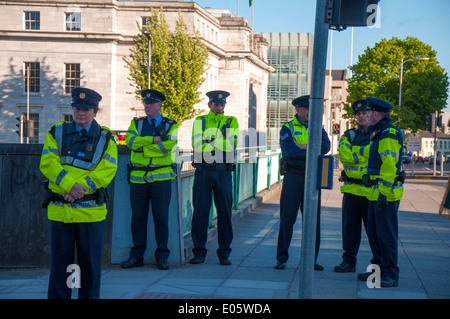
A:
(146, 21)
(34, 76)
(68, 117)
(32, 20)
(72, 79)
(35, 118)
(73, 21)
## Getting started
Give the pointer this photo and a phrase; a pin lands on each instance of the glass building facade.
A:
(291, 55)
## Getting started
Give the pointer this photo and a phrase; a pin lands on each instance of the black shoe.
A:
(162, 264)
(225, 261)
(388, 282)
(344, 267)
(318, 267)
(280, 265)
(363, 276)
(131, 263)
(197, 260)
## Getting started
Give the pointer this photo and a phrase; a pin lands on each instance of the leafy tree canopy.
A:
(179, 61)
(424, 85)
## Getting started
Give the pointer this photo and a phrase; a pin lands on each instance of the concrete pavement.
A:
(424, 258)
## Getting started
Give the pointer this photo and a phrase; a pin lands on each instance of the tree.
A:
(178, 63)
(377, 74)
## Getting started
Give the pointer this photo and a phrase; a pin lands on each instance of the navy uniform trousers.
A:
(159, 194)
(382, 232)
(87, 239)
(354, 210)
(209, 184)
(290, 201)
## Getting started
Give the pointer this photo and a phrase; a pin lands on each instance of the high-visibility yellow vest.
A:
(152, 161)
(215, 135)
(384, 165)
(354, 158)
(93, 166)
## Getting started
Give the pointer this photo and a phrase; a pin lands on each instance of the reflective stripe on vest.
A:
(69, 160)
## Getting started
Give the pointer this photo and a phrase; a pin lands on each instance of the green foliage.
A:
(377, 74)
(178, 63)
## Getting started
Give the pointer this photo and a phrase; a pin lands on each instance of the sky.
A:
(425, 20)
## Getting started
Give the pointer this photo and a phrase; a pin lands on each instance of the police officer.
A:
(293, 142)
(214, 140)
(152, 140)
(79, 159)
(354, 154)
(386, 181)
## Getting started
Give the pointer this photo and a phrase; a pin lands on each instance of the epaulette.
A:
(57, 123)
(108, 129)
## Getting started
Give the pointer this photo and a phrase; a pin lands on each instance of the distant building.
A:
(66, 44)
(291, 55)
(333, 108)
(427, 143)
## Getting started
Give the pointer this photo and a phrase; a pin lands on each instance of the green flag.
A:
(250, 3)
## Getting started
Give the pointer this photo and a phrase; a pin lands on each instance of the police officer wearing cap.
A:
(385, 178)
(214, 141)
(354, 147)
(152, 140)
(79, 159)
(293, 142)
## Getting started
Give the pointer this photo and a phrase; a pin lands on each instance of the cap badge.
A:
(82, 96)
(148, 94)
(220, 96)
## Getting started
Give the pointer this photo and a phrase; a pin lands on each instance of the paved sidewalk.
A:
(424, 259)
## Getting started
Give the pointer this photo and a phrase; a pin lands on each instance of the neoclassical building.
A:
(49, 47)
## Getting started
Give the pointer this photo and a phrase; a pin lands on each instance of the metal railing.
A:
(257, 168)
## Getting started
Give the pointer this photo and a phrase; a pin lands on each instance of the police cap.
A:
(218, 96)
(85, 98)
(361, 105)
(153, 96)
(378, 105)
(302, 101)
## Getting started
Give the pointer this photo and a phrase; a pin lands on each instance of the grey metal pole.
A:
(313, 151)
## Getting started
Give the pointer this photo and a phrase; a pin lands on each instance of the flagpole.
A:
(250, 3)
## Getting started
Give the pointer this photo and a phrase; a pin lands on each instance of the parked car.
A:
(431, 161)
(406, 159)
(418, 159)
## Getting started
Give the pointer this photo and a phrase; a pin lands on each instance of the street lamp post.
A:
(149, 64)
(401, 81)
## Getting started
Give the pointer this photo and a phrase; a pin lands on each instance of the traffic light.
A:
(336, 129)
(351, 13)
(19, 125)
(439, 121)
(429, 122)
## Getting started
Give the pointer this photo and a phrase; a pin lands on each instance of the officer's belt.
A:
(354, 180)
(296, 171)
(59, 198)
(374, 182)
(211, 167)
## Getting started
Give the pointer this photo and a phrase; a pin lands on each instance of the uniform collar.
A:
(92, 129)
(158, 119)
(299, 121)
(381, 123)
(216, 117)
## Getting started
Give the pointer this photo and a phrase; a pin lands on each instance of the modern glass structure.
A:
(291, 55)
